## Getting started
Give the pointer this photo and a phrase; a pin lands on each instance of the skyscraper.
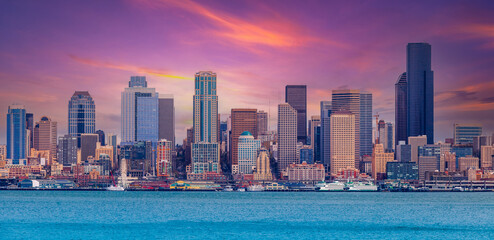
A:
(379, 161)
(420, 91)
(139, 112)
(67, 150)
(45, 137)
(112, 141)
(287, 136)
(314, 133)
(82, 115)
(296, 96)
(205, 150)
(243, 119)
(262, 122)
(30, 127)
(101, 137)
(325, 132)
(415, 143)
(164, 158)
(464, 133)
(88, 145)
(386, 135)
(248, 148)
(401, 109)
(343, 142)
(360, 104)
(16, 133)
(205, 107)
(263, 167)
(167, 118)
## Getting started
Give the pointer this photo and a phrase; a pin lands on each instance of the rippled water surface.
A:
(232, 215)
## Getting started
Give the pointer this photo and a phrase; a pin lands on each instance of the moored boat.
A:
(255, 188)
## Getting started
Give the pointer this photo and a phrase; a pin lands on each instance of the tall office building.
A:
(287, 136)
(360, 104)
(325, 133)
(67, 150)
(401, 109)
(296, 96)
(167, 118)
(205, 149)
(30, 127)
(16, 133)
(415, 143)
(343, 142)
(139, 112)
(315, 139)
(386, 135)
(464, 133)
(82, 115)
(262, 122)
(420, 91)
(101, 137)
(164, 158)
(88, 145)
(112, 141)
(248, 148)
(263, 166)
(205, 107)
(379, 160)
(243, 119)
(480, 141)
(486, 158)
(45, 137)
(106, 151)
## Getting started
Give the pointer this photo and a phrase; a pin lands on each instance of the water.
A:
(259, 215)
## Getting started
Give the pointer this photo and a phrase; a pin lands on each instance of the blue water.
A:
(232, 215)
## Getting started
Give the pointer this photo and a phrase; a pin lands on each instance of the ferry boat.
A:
(228, 189)
(333, 187)
(241, 189)
(115, 188)
(255, 188)
(362, 187)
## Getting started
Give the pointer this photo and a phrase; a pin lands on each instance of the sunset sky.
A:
(49, 49)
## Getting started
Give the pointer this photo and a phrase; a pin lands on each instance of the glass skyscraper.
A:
(16, 133)
(81, 115)
(464, 133)
(296, 96)
(325, 133)
(139, 112)
(365, 123)
(420, 91)
(401, 109)
(248, 147)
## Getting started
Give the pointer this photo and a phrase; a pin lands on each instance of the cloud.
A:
(480, 31)
(125, 67)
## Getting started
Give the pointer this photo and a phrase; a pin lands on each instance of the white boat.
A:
(333, 187)
(362, 187)
(115, 188)
(228, 189)
(241, 189)
(255, 188)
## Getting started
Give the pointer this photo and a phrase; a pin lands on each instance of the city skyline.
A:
(283, 52)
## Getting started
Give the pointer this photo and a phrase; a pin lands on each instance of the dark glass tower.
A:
(82, 118)
(420, 91)
(401, 109)
(296, 96)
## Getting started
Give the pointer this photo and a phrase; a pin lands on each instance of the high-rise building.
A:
(315, 121)
(112, 141)
(45, 137)
(263, 166)
(386, 135)
(306, 154)
(16, 133)
(447, 162)
(242, 120)
(248, 148)
(287, 136)
(262, 122)
(480, 141)
(205, 149)
(464, 133)
(82, 115)
(466, 163)
(296, 96)
(415, 143)
(325, 133)
(101, 137)
(360, 104)
(486, 157)
(401, 109)
(107, 151)
(343, 142)
(139, 112)
(427, 164)
(205, 107)
(403, 152)
(67, 150)
(88, 145)
(420, 91)
(164, 158)
(30, 127)
(167, 118)
(379, 160)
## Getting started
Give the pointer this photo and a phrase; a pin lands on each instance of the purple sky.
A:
(49, 49)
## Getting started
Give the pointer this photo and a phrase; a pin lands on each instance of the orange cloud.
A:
(125, 67)
(241, 31)
(484, 31)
